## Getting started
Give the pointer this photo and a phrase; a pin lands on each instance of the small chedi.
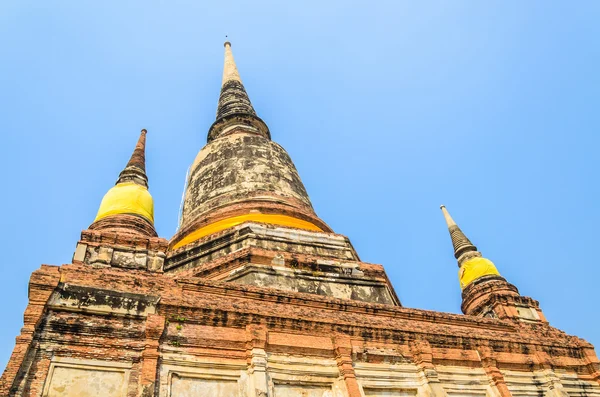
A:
(256, 296)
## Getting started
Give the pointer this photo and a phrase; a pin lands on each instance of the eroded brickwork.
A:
(159, 333)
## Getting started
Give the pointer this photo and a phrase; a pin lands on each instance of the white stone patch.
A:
(188, 386)
(576, 387)
(465, 382)
(525, 384)
(296, 376)
(303, 391)
(80, 252)
(69, 377)
(390, 379)
(548, 383)
(184, 375)
(371, 392)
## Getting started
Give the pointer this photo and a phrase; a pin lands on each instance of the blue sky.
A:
(388, 109)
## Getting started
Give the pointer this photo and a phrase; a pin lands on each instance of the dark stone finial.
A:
(135, 170)
(234, 110)
(460, 242)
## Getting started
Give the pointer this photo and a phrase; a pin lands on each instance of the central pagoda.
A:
(244, 195)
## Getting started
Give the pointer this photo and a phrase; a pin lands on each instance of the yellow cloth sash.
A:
(127, 198)
(474, 268)
(273, 219)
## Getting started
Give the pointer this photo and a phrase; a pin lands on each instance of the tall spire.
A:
(230, 71)
(234, 111)
(233, 98)
(135, 170)
(460, 242)
(128, 207)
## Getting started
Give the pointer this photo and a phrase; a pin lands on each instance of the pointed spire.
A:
(460, 242)
(135, 170)
(234, 111)
(230, 71)
(128, 206)
(233, 99)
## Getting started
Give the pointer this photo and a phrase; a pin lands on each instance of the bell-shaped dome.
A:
(127, 198)
(475, 268)
(241, 175)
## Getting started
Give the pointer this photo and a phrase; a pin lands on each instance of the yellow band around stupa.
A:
(279, 220)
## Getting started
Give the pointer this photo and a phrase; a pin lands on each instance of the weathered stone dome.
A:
(241, 175)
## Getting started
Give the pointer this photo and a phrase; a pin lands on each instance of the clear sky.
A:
(388, 109)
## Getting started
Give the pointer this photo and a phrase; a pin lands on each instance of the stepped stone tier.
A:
(256, 296)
